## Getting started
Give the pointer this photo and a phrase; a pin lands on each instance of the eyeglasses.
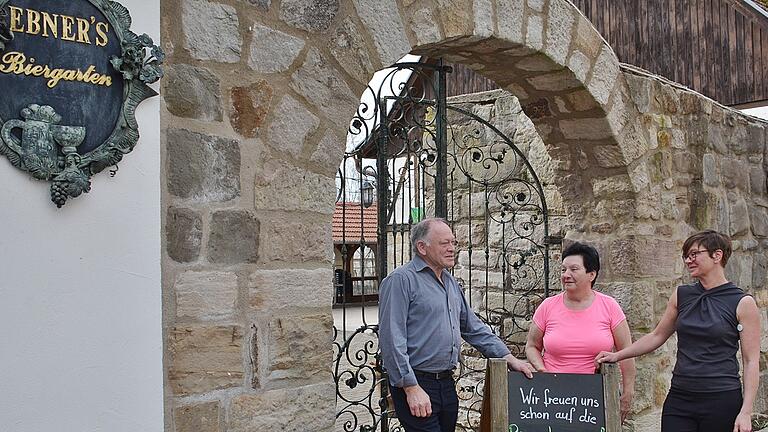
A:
(693, 254)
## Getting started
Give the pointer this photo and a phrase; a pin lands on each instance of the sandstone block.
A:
(192, 92)
(580, 65)
(586, 129)
(424, 26)
(666, 99)
(612, 185)
(735, 173)
(249, 107)
(300, 347)
(759, 218)
(537, 5)
(716, 139)
(483, 18)
(604, 75)
(757, 181)
(738, 214)
(202, 417)
(587, 39)
(739, 270)
(348, 48)
(234, 237)
(609, 156)
(645, 381)
(197, 18)
(759, 272)
(328, 154)
(205, 296)
(755, 139)
(382, 19)
(710, 174)
(285, 410)
(203, 168)
(310, 15)
(271, 50)
(633, 143)
(537, 63)
(559, 29)
(204, 359)
(643, 257)
(510, 15)
(454, 15)
(640, 90)
(534, 36)
(291, 125)
(640, 177)
(323, 86)
(284, 187)
(581, 100)
(279, 238)
(636, 300)
(555, 82)
(184, 233)
(278, 289)
(685, 162)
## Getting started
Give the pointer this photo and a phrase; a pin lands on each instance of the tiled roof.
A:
(347, 223)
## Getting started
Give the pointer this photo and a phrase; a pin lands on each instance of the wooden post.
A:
(611, 385)
(495, 402)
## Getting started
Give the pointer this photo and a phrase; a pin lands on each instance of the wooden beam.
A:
(494, 416)
(611, 384)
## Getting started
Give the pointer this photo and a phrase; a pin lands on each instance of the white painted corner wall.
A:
(80, 291)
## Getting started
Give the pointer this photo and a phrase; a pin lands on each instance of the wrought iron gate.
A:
(423, 157)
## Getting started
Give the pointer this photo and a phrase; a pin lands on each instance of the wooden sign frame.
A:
(495, 415)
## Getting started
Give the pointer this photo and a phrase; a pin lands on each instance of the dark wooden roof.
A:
(716, 47)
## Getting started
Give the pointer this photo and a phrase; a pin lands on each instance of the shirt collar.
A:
(419, 264)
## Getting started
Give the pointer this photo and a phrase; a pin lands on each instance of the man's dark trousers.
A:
(445, 405)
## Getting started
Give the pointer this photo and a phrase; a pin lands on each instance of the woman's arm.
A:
(622, 338)
(649, 342)
(749, 337)
(534, 344)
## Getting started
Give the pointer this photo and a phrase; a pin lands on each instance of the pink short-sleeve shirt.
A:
(572, 338)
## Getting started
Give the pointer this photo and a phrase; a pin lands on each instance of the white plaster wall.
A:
(761, 112)
(80, 305)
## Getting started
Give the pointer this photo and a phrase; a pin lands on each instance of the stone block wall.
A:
(255, 107)
(705, 169)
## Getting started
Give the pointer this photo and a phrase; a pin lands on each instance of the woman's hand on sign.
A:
(518, 365)
(418, 401)
(606, 357)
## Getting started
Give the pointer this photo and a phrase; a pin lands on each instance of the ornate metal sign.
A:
(71, 76)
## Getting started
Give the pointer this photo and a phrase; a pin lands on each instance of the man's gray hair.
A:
(420, 231)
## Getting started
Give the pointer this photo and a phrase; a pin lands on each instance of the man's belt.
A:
(435, 375)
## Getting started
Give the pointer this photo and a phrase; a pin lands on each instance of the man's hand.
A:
(418, 401)
(518, 365)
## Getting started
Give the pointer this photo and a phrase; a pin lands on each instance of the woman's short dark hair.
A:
(710, 240)
(588, 254)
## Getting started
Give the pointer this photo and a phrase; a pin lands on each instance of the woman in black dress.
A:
(712, 317)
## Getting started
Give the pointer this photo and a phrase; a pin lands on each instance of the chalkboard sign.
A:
(556, 403)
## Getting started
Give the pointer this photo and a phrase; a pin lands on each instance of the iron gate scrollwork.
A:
(424, 157)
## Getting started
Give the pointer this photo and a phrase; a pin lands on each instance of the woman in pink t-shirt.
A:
(571, 328)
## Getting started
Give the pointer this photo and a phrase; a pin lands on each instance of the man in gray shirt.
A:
(423, 315)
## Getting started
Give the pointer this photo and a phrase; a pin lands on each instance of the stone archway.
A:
(247, 277)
